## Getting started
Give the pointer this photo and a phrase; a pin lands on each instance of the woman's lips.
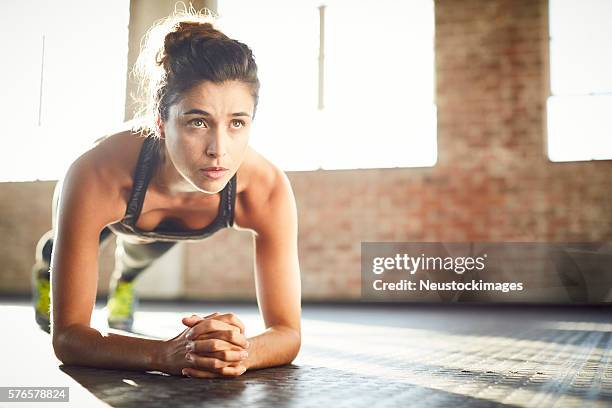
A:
(214, 174)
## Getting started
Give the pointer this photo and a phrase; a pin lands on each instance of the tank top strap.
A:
(230, 201)
(147, 159)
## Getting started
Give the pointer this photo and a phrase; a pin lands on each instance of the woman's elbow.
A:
(58, 349)
(297, 344)
(61, 340)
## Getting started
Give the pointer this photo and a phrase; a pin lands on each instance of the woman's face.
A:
(208, 127)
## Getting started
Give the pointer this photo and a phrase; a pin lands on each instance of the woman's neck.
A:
(169, 182)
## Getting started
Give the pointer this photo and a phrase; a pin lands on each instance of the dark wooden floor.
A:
(354, 356)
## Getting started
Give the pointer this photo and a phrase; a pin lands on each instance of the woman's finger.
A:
(228, 371)
(191, 321)
(194, 319)
(230, 336)
(207, 363)
(229, 318)
(190, 372)
(233, 371)
(210, 325)
(225, 355)
(232, 319)
(212, 345)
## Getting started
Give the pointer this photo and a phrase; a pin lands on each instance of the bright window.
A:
(579, 109)
(378, 81)
(57, 101)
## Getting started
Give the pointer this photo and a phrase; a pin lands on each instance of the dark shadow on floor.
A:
(286, 386)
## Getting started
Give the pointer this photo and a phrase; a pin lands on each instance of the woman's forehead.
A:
(232, 96)
(223, 90)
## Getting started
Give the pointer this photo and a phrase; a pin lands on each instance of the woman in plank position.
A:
(181, 172)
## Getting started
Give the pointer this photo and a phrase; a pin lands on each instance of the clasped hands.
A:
(212, 346)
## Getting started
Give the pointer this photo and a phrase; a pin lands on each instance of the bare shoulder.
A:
(105, 170)
(264, 185)
(117, 153)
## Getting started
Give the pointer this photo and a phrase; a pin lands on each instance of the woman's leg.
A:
(41, 284)
(130, 261)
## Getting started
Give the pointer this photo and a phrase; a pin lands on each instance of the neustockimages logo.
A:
(412, 264)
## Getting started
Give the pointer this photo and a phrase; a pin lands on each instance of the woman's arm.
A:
(277, 277)
(85, 346)
(86, 205)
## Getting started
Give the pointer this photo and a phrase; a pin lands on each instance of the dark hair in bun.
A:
(179, 52)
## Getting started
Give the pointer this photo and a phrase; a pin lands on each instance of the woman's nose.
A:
(214, 153)
(217, 147)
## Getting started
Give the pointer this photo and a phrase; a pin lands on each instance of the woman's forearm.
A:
(276, 346)
(86, 346)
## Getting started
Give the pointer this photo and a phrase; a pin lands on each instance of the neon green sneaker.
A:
(122, 301)
(41, 288)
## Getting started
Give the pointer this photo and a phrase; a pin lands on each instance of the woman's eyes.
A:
(194, 121)
(236, 123)
(241, 122)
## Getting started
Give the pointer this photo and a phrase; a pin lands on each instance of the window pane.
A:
(379, 81)
(83, 82)
(579, 127)
(379, 84)
(581, 46)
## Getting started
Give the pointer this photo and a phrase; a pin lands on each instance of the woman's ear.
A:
(160, 128)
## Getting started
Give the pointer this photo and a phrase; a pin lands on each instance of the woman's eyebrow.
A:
(204, 113)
